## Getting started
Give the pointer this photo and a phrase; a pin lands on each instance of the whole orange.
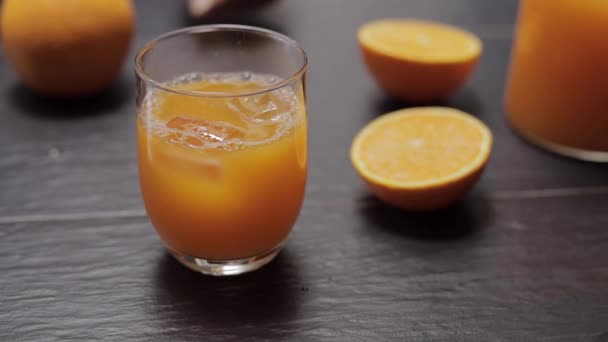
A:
(67, 48)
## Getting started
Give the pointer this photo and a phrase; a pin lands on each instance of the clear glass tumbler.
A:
(222, 136)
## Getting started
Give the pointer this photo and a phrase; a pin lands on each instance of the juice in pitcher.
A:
(557, 90)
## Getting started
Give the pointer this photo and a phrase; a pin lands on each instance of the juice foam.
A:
(257, 118)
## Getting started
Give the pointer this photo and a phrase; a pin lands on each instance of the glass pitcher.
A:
(557, 89)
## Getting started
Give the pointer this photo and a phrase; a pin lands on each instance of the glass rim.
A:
(139, 70)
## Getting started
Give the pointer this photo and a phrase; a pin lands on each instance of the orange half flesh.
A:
(422, 158)
(418, 61)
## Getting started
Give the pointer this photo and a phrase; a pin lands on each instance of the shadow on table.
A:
(459, 221)
(44, 107)
(192, 301)
(465, 100)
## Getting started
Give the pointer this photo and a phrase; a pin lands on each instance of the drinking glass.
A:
(222, 143)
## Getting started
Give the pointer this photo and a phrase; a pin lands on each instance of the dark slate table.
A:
(523, 258)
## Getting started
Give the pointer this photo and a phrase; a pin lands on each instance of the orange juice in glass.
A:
(222, 138)
(558, 80)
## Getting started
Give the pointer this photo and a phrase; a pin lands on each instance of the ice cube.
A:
(204, 166)
(265, 109)
(246, 76)
(196, 132)
(199, 163)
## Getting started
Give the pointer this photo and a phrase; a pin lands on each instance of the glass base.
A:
(226, 267)
(572, 152)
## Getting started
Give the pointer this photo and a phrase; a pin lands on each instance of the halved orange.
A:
(422, 158)
(418, 61)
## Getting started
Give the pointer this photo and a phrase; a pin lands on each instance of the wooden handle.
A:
(207, 8)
